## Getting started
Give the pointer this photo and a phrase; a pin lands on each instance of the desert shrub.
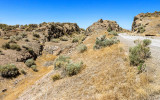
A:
(64, 38)
(36, 35)
(73, 68)
(34, 68)
(24, 35)
(55, 40)
(139, 53)
(61, 61)
(23, 72)
(9, 71)
(146, 42)
(26, 40)
(141, 29)
(141, 67)
(15, 47)
(1, 53)
(6, 46)
(81, 48)
(29, 62)
(109, 29)
(113, 33)
(75, 40)
(56, 77)
(102, 41)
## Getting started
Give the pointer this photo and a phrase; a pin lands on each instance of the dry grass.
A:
(30, 80)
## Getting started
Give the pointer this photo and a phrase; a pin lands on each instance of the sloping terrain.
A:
(107, 75)
(147, 23)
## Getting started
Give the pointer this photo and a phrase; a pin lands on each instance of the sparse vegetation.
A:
(113, 33)
(12, 46)
(34, 68)
(73, 68)
(61, 61)
(82, 48)
(55, 40)
(36, 35)
(63, 38)
(141, 29)
(9, 71)
(15, 47)
(23, 72)
(102, 41)
(139, 53)
(70, 67)
(29, 62)
(56, 77)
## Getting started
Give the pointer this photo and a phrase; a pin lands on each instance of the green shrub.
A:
(23, 72)
(102, 41)
(81, 48)
(15, 47)
(55, 40)
(64, 38)
(9, 71)
(61, 61)
(34, 68)
(24, 35)
(139, 53)
(6, 46)
(56, 77)
(113, 33)
(73, 68)
(141, 29)
(75, 40)
(30, 62)
(146, 42)
(36, 35)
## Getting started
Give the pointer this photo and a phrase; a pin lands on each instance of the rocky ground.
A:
(106, 73)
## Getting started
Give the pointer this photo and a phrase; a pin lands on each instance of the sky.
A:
(82, 12)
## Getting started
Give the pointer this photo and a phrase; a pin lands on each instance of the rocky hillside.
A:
(147, 23)
(105, 25)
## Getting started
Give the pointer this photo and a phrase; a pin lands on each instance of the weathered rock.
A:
(105, 25)
(147, 23)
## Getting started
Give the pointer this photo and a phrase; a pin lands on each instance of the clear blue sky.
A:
(82, 12)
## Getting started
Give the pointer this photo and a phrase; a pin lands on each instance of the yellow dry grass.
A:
(108, 76)
(28, 81)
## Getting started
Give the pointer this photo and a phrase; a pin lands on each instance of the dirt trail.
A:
(152, 63)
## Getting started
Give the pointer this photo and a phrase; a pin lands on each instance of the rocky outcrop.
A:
(147, 23)
(106, 25)
(56, 30)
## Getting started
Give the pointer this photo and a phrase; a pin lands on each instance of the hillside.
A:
(147, 23)
(60, 61)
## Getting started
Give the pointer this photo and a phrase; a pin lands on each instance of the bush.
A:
(24, 35)
(146, 42)
(61, 61)
(73, 68)
(75, 40)
(30, 62)
(1, 52)
(64, 38)
(81, 48)
(15, 47)
(141, 29)
(6, 46)
(23, 72)
(34, 68)
(55, 40)
(139, 53)
(102, 41)
(113, 33)
(36, 35)
(9, 71)
(56, 77)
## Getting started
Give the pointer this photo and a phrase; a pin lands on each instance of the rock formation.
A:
(147, 23)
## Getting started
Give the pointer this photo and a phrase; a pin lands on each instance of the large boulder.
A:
(147, 23)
